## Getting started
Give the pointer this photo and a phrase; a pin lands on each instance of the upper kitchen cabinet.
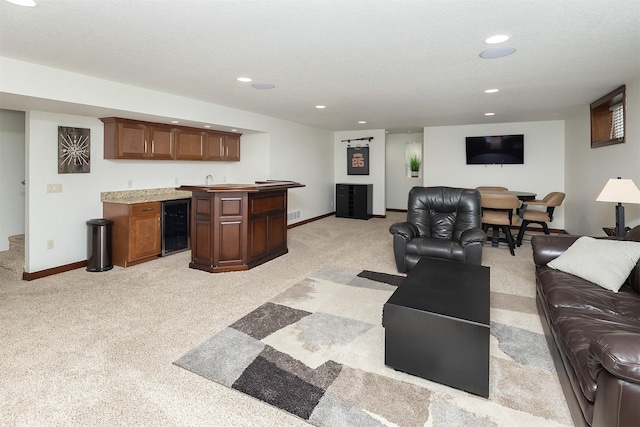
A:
(162, 144)
(134, 139)
(232, 147)
(130, 139)
(222, 146)
(190, 144)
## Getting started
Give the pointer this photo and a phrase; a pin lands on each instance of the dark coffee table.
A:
(437, 325)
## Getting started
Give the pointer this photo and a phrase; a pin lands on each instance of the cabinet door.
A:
(131, 140)
(268, 224)
(214, 147)
(202, 211)
(278, 231)
(189, 145)
(145, 239)
(161, 142)
(232, 147)
(359, 201)
(231, 235)
(342, 201)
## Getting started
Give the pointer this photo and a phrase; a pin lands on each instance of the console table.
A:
(354, 201)
(436, 324)
(238, 226)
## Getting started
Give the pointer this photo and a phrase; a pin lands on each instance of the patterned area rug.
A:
(317, 352)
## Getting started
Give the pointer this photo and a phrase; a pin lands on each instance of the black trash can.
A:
(99, 245)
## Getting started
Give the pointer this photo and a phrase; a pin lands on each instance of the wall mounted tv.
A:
(499, 150)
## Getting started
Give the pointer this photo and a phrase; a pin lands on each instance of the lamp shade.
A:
(619, 191)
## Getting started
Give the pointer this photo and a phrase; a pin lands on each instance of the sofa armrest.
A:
(548, 247)
(473, 235)
(405, 229)
(614, 362)
(618, 353)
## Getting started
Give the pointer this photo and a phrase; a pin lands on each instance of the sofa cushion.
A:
(607, 263)
(562, 291)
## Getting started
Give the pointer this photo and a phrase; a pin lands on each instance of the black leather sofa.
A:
(442, 222)
(594, 335)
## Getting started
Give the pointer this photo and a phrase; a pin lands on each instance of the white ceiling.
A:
(399, 65)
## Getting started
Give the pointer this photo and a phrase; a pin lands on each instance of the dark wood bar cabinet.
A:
(238, 226)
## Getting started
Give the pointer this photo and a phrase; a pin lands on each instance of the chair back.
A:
(499, 201)
(554, 199)
(444, 212)
(498, 208)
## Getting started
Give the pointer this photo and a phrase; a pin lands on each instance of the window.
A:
(608, 118)
(617, 121)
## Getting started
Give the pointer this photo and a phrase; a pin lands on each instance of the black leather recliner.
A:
(442, 222)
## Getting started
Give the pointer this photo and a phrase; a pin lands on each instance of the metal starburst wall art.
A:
(74, 150)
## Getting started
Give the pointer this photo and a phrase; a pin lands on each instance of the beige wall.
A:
(541, 173)
(588, 169)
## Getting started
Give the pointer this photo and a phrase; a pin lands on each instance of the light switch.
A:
(54, 188)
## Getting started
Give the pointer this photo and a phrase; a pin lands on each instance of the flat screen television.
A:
(499, 150)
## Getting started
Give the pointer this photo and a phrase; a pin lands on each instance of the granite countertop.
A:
(128, 197)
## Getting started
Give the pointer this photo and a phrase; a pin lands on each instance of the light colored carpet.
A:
(96, 349)
(317, 351)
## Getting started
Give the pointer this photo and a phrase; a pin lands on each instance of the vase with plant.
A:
(414, 164)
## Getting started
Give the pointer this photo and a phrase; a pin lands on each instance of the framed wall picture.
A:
(358, 161)
(74, 150)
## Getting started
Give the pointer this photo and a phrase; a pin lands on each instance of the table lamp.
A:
(619, 191)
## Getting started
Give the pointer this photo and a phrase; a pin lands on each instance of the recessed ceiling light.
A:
(362, 122)
(234, 130)
(207, 126)
(489, 114)
(263, 86)
(496, 52)
(320, 107)
(498, 38)
(492, 90)
(175, 121)
(244, 79)
(27, 3)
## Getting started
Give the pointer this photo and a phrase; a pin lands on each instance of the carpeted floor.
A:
(317, 351)
(97, 349)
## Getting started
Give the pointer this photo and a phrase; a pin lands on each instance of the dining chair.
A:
(492, 188)
(539, 211)
(497, 214)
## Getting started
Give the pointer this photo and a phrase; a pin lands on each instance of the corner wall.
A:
(588, 169)
(398, 184)
(376, 166)
(12, 172)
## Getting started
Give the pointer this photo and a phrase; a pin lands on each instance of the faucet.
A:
(209, 177)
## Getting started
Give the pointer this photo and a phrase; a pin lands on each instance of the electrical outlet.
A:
(130, 183)
(50, 244)
(177, 181)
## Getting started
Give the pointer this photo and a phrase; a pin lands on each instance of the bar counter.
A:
(238, 226)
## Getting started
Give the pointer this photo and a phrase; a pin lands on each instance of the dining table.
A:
(522, 195)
